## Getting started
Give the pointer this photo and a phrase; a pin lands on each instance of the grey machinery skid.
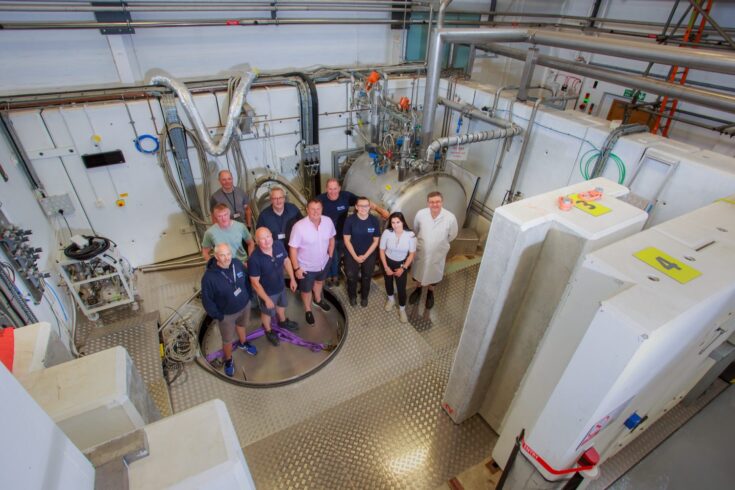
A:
(286, 363)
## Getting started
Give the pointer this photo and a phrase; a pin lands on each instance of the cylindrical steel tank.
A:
(260, 194)
(408, 196)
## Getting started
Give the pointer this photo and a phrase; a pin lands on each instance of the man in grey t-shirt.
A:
(234, 198)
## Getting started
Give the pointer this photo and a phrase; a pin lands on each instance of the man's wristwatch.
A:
(403, 266)
(296, 269)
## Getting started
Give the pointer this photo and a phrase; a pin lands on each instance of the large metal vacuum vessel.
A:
(408, 196)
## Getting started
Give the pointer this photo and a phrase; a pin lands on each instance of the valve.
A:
(404, 103)
(371, 80)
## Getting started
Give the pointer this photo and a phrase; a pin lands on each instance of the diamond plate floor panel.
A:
(139, 335)
(394, 436)
(378, 349)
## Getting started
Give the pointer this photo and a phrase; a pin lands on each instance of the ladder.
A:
(680, 72)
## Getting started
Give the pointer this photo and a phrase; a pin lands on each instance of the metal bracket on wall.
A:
(107, 16)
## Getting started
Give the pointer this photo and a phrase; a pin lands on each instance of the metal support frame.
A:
(527, 74)
(121, 16)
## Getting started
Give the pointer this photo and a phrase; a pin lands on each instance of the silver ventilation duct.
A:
(233, 113)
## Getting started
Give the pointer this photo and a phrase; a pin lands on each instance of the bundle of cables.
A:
(95, 246)
(180, 345)
(586, 163)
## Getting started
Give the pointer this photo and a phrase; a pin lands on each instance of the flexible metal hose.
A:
(233, 113)
(439, 143)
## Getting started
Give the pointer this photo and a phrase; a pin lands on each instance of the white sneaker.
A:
(402, 315)
(389, 304)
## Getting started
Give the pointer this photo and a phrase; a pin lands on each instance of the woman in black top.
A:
(361, 237)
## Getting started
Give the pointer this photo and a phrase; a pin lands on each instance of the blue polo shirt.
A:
(269, 269)
(362, 232)
(280, 226)
(337, 210)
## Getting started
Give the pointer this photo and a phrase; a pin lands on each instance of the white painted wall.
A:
(20, 207)
(53, 59)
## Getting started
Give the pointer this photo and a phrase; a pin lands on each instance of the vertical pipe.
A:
(470, 61)
(527, 74)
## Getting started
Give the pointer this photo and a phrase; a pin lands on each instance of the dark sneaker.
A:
(415, 296)
(248, 348)
(290, 325)
(229, 368)
(353, 301)
(363, 302)
(429, 299)
(323, 305)
(310, 318)
(272, 338)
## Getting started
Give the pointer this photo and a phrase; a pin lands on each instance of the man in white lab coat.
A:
(434, 227)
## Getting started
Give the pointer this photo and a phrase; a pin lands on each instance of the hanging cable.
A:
(163, 161)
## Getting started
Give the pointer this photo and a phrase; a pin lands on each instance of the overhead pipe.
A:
(238, 96)
(495, 134)
(442, 10)
(701, 97)
(474, 113)
(699, 59)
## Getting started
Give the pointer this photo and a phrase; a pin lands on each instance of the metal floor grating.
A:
(138, 333)
(378, 349)
(393, 436)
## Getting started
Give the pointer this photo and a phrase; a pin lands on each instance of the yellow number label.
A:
(590, 207)
(667, 264)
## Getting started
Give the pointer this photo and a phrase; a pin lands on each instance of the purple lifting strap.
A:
(283, 334)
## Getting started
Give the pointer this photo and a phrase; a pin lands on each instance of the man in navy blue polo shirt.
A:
(280, 217)
(226, 298)
(336, 203)
(265, 267)
(361, 237)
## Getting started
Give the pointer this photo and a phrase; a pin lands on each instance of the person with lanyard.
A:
(265, 267)
(397, 251)
(312, 246)
(232, 197)
(226, 298)
(361, 237)
(224, 230)
(336, 203)
(280, 216)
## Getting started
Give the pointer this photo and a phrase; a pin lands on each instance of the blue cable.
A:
(141, 138)
(58, 300)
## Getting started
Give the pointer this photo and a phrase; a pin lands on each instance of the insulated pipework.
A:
(233, 113)
(440, 143)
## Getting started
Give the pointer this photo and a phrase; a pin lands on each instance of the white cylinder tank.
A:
(408, 196)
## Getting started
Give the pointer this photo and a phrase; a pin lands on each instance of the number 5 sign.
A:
(667, 264)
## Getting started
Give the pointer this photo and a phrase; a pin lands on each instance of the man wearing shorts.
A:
(312, 246)
(265, 267)
(226, 298)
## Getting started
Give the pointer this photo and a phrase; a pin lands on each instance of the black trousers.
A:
(400, 281)
(363, 272)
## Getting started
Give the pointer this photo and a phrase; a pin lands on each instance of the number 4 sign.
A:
(667, 264)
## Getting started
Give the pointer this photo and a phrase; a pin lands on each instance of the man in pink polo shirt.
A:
(311, 248)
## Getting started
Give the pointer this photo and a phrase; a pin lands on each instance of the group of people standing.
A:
(309, 250)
